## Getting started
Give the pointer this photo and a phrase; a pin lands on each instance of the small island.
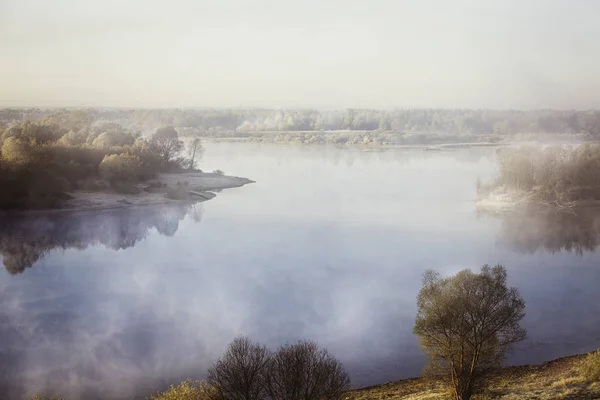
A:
(68, 161)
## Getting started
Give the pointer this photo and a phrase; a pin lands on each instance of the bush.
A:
(218, 172)
(590, 369)
(304, 372)
(241, 374)
(187, 390)
(120, 168)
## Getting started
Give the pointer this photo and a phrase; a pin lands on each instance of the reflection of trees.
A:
(24, 239)
(529, 230)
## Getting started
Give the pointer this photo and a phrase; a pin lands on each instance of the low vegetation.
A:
(553, 175)
(590, 368)
(555, 380)
(42, 161)
(188, 390)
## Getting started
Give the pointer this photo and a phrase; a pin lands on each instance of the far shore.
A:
(167, 188)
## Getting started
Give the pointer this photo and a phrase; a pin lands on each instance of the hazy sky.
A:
(301, 53)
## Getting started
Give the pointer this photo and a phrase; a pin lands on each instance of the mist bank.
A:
(343, 127)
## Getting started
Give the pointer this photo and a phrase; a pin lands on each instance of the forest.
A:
(400, 126)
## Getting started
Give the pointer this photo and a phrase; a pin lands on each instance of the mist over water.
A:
(329, 244)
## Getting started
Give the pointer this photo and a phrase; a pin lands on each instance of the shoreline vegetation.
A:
(564, 378)
(553, 177)
(558, 379)
(67, 161)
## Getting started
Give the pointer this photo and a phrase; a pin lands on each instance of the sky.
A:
(327, 54)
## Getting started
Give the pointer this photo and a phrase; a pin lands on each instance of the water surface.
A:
(329, 244)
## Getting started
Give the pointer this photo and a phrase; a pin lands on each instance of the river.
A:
(329, 244)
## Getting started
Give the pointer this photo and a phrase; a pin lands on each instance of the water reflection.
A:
(530, 230)
(26, 238)
(315, 250)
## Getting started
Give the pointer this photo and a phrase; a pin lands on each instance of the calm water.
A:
(329, 245)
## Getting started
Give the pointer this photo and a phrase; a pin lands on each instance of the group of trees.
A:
(466, 324)
(250, 371)
(242, 121)
(555, 175)
(40, 161)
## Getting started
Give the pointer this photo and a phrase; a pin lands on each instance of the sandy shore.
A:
(199, 185)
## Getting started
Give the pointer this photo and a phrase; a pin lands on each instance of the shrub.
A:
(241, 373)
(120, 168)
(590, 368)
(218, 172)
(187, 390)
(304, 372)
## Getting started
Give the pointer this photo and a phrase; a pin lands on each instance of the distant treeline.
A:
(215, 122)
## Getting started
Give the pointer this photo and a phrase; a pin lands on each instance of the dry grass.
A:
(590, 367)
(555, 380)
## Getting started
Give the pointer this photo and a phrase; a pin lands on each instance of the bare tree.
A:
(304, 372)
(195, 151)
(166, 143)
(467, 323)
(241, 373)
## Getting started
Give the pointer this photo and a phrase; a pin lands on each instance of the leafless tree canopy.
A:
(304, 372)
(241, 373)
(166, 143)
(467, 323)
(195, 152)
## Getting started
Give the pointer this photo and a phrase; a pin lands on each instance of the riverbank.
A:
(558, 379)
(167, 188)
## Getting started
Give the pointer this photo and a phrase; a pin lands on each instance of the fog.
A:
(119, 307)
(324, 54)
(370, 131)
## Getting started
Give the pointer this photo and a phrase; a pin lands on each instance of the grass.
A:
(590, 367)
(560, 379)
(566, 378)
